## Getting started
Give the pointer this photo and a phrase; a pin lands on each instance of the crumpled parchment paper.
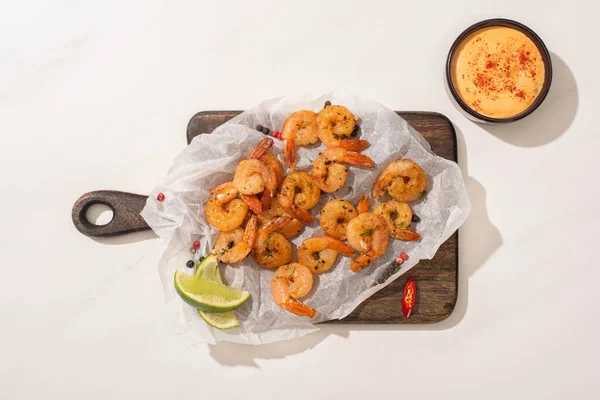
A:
(211, 160)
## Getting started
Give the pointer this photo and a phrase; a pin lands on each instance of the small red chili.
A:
(196, 244)
(277, 134)
(404, 256)
(409, 297)
(160, 196)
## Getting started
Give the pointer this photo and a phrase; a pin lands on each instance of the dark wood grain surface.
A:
(436, 279)
(126, 208)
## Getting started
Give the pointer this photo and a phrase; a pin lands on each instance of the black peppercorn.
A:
(327, 103)
(415, 218)
(189, 264)
(259, 128)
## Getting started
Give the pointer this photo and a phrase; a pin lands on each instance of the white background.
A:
(98, 96)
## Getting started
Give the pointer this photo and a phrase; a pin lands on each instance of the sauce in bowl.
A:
(498, 71)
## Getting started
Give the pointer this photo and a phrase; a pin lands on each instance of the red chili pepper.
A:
(409, 297)
(404, 256)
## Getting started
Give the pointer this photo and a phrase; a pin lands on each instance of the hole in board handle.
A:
(99, 214)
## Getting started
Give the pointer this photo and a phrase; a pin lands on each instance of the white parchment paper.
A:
(211, 160)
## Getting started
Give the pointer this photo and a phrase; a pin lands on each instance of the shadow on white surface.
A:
(479, 238)
(235, 354)
(551, 119)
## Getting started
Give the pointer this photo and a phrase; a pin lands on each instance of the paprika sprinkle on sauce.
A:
(498, 71)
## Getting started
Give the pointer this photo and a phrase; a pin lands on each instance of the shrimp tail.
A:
(363, 205)
(278, 223)
(289, 153)
(250, 232)
(354, 144)
(407, 235)
(261, 148)
(266, 198)
(253, 203)
(298, 308)
(383, 181)
(358, 159)
(364, 260)
(340, 247)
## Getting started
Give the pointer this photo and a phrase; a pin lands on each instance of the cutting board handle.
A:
(126, 208)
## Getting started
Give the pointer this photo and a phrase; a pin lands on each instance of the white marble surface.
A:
(97, 96)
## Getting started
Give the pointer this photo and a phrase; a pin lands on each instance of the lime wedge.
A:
(220, 320)
(207, 295)
(209, 269)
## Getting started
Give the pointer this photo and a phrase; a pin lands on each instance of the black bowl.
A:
(474, 115)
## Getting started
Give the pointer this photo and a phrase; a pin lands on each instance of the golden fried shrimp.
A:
(272, 249)
(319, 252)
(291, 282)
(234, 246)
(224, 210)
(292, 228)
(398, 217)
(254, 176)
(369, 234)
(299, 129)
(252, 201)
(328, 170)
(299, 193)
(336, 124)
(275, 165)
(403, 179)
(335, 216)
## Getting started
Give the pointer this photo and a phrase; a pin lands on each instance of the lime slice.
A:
(220, 320)
(207, 295)
(209, 269)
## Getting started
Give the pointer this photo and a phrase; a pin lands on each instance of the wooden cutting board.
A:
(436, 279)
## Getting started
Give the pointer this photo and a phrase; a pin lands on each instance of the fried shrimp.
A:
(252, 201)
(299, 193)
(328, 170)
(299, 129)
(336, 124)
(398, 217)
(292, 228)
(253, 176)
(272, 249)
(234, 246)
(291, 282)
(335, 216)
(369, 234)
(403, 179)
(224, 210)
(320, 252)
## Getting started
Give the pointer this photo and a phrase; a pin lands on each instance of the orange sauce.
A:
(498, 71)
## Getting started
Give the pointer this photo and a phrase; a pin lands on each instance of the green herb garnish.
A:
(367, 232)
(268, 237)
